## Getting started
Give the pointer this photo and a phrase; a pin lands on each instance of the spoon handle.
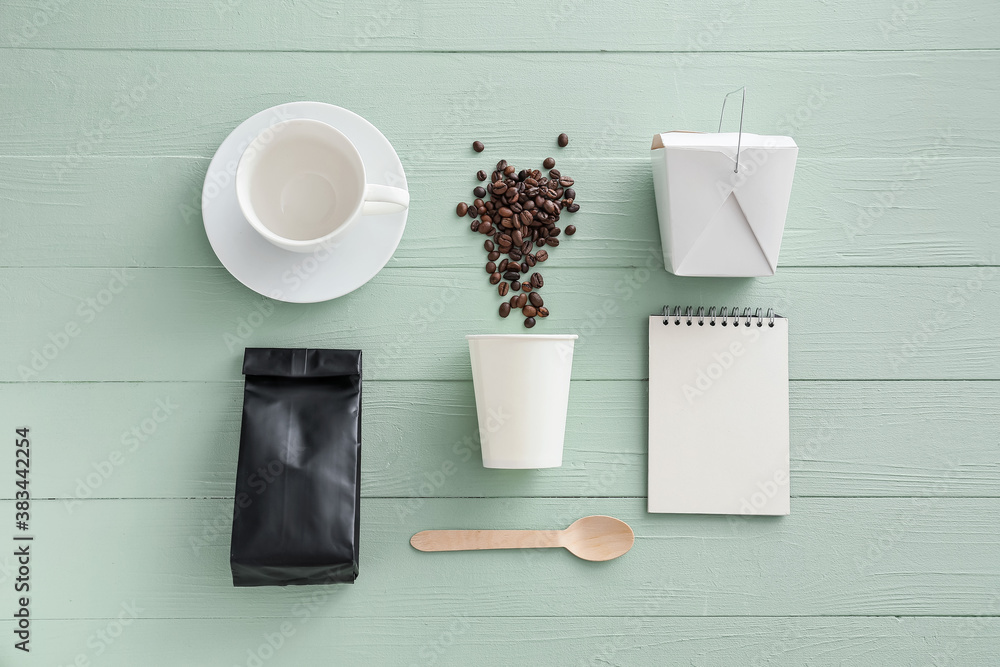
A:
(469, 540)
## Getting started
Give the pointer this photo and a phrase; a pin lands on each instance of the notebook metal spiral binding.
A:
(723, 318)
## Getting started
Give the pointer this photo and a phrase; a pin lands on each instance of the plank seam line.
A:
(492, 616)
(406, 267)
(469, 379)
(420, 52)
(440, 162)
(583, 267)
(365, 497)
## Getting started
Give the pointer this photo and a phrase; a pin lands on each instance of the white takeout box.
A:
(714, 221)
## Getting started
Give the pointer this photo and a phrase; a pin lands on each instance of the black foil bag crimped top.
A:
(298, 481)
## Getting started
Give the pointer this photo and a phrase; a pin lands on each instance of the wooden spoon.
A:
(590, 538)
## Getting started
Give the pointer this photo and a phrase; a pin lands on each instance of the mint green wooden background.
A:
(889, 273)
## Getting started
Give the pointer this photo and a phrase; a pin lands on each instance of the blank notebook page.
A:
(718, 417)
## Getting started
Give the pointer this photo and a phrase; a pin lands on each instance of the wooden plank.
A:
(182, 103)
(192, 324)
(393, 25)
(829, 557)
(843, 213)
(475, 640)
(180, 440)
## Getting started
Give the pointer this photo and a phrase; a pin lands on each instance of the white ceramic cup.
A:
(301, 183)
(522, 419)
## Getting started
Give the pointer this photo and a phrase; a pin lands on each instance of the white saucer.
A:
(291, 276)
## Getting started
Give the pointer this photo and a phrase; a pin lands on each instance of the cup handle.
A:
(381, 199)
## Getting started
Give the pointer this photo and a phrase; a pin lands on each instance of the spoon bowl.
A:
(598, 538)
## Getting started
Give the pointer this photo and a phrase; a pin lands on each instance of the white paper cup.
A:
(522, 391)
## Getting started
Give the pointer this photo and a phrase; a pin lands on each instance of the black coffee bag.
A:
(298, 482)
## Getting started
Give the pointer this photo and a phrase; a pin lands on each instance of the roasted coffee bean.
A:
(504, 307)
(529, 322)
(462, 209)
(519, 210)
(478, 146)
(529, 311)
(563, 140)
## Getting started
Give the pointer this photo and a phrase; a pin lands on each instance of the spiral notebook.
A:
(718, 412)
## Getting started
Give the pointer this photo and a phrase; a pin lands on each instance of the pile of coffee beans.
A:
(519, 213)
